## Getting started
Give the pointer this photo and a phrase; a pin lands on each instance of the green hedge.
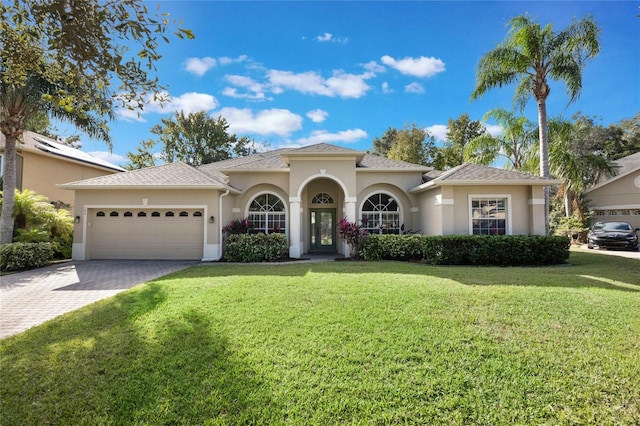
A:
(19, 256)
(256, 248)
(502, 250)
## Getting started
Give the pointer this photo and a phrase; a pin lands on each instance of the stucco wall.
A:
(620, 197)
(148, 199)
(42, 173)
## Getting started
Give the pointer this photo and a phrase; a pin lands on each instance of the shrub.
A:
(238, 226)
(256, 247)
(19, 256)
(354, 235)
(500, 250)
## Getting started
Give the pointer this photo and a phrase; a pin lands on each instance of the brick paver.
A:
(32, 297)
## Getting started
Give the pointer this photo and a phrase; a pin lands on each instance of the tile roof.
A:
(167, 175)
(35, 142)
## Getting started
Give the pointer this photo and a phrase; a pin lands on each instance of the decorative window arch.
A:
(142, 214)
(381, 214)
(169, 214)
(100, 214)
(322, 198)
(197, 214)
(114, 214)
(128, 214)
(155, 214)
(267, 214)
(184, 214)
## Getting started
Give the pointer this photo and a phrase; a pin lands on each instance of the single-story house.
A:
(42, 162)
(618, 198)
(179, 211)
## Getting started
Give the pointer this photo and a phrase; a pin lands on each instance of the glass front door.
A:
(323, 230)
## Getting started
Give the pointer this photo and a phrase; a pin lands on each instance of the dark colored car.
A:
(613, 235)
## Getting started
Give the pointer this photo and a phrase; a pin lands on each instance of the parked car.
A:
(613, 235)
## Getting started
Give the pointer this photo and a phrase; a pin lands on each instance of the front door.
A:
(323, 230)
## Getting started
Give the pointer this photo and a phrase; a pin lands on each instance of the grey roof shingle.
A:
(169, 175)
(475, 172)
(376, 162)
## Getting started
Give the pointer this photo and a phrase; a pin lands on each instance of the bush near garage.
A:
(256, 247)
(20, 256)
(497, 250)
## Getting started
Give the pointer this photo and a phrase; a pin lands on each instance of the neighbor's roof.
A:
(477, 175)
(168, 176)
(627, 165)
(39, 144)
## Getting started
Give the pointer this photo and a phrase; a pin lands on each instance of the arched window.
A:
(184, 214)
(114, 214)
(142, 214)
(197, 214)
(267, 214)
(100, 214)
(127, 214)
(381, 214)
(322, 198)
(155, 214)
(169, 214)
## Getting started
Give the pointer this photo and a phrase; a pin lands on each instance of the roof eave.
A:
(524, 182)
(73, 187)
(393, 169)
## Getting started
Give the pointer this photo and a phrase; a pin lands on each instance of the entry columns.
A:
(350, 215)
(295, 240)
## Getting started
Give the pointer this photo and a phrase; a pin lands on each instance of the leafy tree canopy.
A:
(195, 139)
(411, 143)
(460, 133)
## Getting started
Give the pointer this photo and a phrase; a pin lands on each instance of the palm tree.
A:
(569, 161)
(515, 143)
(532, 55)
(19, 103)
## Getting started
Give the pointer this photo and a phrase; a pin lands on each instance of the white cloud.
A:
(192, 102)
(439, 131)
(187, 102)
(108, 156)
(494, 129)
(374, 67)
(328, 37)
(322, 136)
(417, 67)
(342, 84)
(225, 60)
(274, 121)
(414, 88)
(385, 88)
(317, 115)
(257, 89)
(199, 66)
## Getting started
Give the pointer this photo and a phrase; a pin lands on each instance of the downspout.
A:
(220, 223)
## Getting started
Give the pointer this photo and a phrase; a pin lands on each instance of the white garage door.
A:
(146, 233)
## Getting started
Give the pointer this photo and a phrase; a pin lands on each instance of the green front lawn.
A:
(341, 343)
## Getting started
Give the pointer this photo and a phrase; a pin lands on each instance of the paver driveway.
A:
(32, 297)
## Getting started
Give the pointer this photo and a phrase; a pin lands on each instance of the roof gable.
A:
(627, 165)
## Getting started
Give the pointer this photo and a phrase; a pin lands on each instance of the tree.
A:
(195, 139)
(531, 56)
(383, 144)
(412, 144)
(572, 159)
(514, 144)
(73, 61)
(460, 133)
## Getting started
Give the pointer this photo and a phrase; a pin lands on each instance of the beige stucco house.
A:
(179, 211)
(618, 198)
(41, 163)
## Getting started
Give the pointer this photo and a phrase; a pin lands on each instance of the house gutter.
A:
(220, 223)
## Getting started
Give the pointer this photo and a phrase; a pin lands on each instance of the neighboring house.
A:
(41, 163)
(179, 211)
(618, 198)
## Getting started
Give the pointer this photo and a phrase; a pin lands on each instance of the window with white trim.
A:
(381, 214)
(489, 216)
(267, 214)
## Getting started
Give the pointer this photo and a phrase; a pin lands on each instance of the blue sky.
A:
(295, 73)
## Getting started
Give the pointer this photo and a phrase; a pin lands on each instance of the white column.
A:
(295, 241)
(350, 215)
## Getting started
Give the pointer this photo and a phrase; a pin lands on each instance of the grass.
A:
(341, 343)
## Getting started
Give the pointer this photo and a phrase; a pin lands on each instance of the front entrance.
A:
(323, 230)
